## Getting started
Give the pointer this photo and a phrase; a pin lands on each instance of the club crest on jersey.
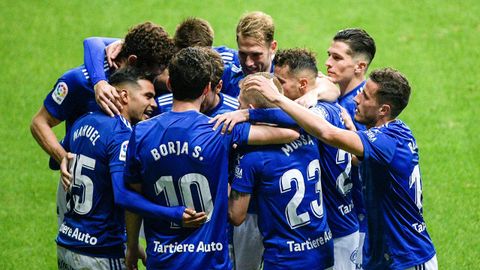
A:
(123, 151)
(320, 111)
(60, 92)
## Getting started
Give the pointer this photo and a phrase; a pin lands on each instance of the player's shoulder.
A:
(229, 101)
(164, 99)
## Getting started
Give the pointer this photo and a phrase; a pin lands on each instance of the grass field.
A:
(435, 43)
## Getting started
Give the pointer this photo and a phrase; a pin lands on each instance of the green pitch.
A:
(435, 43)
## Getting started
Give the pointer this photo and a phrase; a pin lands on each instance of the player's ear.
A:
(123, 96)
(385, 110)
(303, 85)
(361, 66)
(219, 87)
(169, 86)
(132, 59)
(273, 46)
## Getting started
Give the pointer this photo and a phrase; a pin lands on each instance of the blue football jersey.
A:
(336, 181)
(228, 55)
(93, 225)
(226, 104)
(180, 160)
(71, 97)
(94, 57)
(286, 183)
(397, 237)
(349, 104)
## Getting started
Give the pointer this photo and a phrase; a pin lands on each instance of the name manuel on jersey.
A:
(175, 148)
(86, 131)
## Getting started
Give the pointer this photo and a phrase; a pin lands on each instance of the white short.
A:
(69, 260)
(359, 258)
(345, 251)
(432, 264)
(247, 244)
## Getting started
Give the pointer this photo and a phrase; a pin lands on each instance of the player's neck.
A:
(381, 122)
(347, 87)
(189, 105)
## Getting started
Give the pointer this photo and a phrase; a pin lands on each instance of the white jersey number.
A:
(186, 184)
(344, 184)
(295, 219)
(416, 182)
(82, 200)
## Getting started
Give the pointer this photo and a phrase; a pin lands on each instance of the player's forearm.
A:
(47, 139)
(263, 135)
(94, 57)
(274, 116)
(135, 202)
(237, 207)
(321, 128)
(133, 223)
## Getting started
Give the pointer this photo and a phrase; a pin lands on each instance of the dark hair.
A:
(297, 60)
(393, 89)
(359, 42)
(217, 67)
(151, 44)
(127, 75)
(193, 32)
(190, 72)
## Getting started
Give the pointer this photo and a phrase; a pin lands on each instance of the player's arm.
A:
(135, 202)
(237, 206)
(308, 120)
(42, 130)
(94, 56)
(262, 135)
(324, 90)
(134, 250)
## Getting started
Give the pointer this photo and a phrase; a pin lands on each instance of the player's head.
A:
(296, 69)
(148, 47)
(254, 99)
(351, 52)
(190, 73)
(136, 93)
(215, 80)
(384, 97)
(256, 43)
(193, 32)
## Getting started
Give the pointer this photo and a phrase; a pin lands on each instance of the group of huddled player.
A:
(233, 159)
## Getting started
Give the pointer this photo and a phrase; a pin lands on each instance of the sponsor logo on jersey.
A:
(60, 92)
(123, 151)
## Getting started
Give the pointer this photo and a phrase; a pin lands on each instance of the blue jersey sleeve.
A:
(136, 203)
(132, 172)
(240, 134)
(377, 146)
(247, 167)
(274, 116)
(94, 57)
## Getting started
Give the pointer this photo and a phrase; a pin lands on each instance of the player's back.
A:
(226, 104)
(336, 181)
(93, 225)
(185, 162)
(286, 184)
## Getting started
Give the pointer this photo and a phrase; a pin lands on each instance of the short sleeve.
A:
(240, 134)
(247, 167)
(377, 145)
(117, 150)
(132, 172)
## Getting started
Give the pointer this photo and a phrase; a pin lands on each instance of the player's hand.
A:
(132, 255)
(107, 98)
(112, 51)
(347, 120)
(263, 85)
(192, 219)
(229, 120)
(66, 175)
(308, 100)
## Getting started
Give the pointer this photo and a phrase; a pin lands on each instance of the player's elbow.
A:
(236, 218)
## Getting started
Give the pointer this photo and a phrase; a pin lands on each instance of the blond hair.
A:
(257, 25)
(256, 98)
